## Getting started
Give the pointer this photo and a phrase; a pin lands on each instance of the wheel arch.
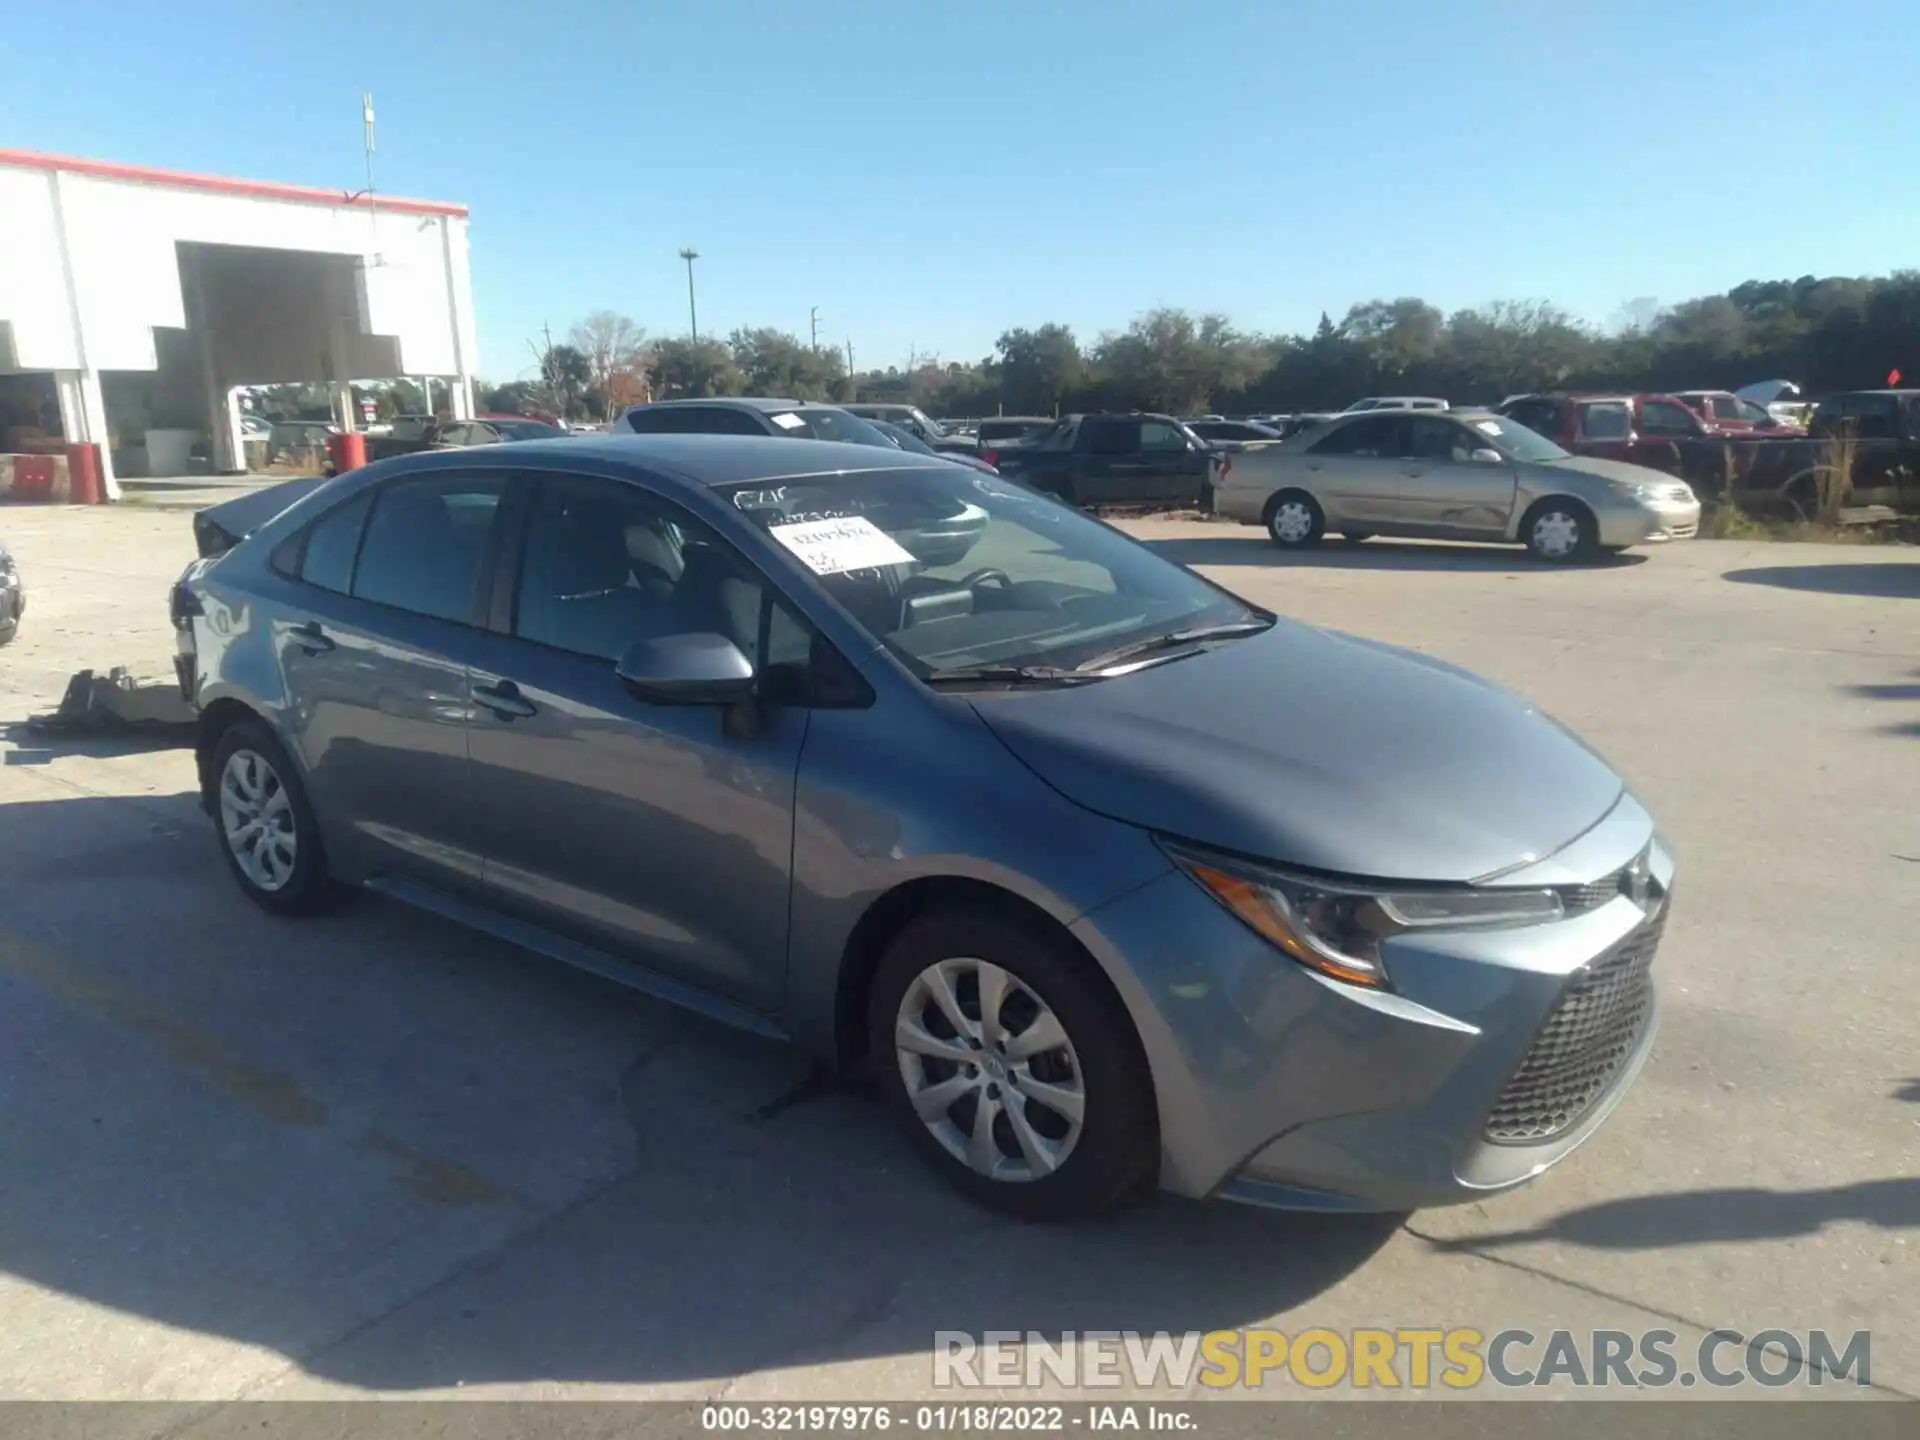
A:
(893, 911)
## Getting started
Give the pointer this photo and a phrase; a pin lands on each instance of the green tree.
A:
(684, 368)
(1038, 369)
(773, 362)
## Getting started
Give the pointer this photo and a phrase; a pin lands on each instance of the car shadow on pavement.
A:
(404, 1156)
(1890, 580)
(1253, 548)
(1909, 1090)
(28, 744)
(1898, 690)
(1704, 1217)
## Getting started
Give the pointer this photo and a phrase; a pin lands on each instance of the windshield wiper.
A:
(1011, 675)
(1172, 639)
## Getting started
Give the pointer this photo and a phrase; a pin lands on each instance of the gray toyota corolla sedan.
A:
(1108, 877)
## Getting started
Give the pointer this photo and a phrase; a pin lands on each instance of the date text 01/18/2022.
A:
(962, 1419)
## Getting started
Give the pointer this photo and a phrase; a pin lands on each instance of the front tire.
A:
(1295, 520)
(1560, 532)
(265, 824)
(1015, 1073)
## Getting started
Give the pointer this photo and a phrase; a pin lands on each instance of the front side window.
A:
(824, 423)
(1665, 418)
(1159, 438)
(952, 569)
(1726, 407)
(606, 565)
(425, 544)
(1428, 437)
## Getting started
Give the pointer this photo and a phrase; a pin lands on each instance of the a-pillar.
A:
(460, 396)
(83, 420)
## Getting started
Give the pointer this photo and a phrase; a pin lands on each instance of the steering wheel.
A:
(980, 577)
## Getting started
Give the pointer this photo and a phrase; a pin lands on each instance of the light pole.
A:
(689, 254)
(813, 328)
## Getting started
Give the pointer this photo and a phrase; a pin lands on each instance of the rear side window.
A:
(1606, 420)
(1112, 437)
(1376, 435)
(425, 544)
(1160, 437)
(332, 542)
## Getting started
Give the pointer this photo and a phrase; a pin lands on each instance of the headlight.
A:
(1648, 492)
(1337, 927)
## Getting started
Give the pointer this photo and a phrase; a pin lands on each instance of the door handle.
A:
(504, 700)
(311, 638)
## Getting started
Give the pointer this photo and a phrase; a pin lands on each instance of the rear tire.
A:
(265, 825)
(1070, 1124)
(1294, 520)
(1559, 531)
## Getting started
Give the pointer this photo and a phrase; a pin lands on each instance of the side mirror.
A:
(1485, 456)
(698, 669)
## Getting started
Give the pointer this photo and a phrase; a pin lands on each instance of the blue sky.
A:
(929, 174)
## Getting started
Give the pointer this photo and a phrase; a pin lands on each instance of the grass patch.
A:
(1729, 522)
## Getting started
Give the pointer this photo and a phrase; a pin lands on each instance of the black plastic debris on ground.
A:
(118, 704)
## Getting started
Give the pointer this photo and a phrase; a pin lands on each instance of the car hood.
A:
(1319, 750)
(1621, 472)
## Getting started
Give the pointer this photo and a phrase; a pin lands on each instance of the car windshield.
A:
(905, 439)
(826, 423)
(1516, 441)
(952, 569)
(935, 430)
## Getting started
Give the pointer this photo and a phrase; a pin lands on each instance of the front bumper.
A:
(1277, 1086)
(1650, 522)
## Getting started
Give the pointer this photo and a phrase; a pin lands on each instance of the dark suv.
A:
(734, 415)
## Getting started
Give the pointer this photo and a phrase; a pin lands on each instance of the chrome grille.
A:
(1579, 1051)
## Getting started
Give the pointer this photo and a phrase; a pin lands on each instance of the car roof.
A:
(710, 459)
(1842, 394)
(740, 402)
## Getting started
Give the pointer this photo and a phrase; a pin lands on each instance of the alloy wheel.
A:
(990, 1070)
(256, 818)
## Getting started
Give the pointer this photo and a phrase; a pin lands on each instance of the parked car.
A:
(785, 419)
(1463, 475)
(1879, 433)
(1398, 402)
(13, 595)
(693, 715)
(1119, 459)
(552, 422)
(913, 444)
(456, 435)
(1005, 431)
(1725, 413)
(1228, 436)
(917, 422)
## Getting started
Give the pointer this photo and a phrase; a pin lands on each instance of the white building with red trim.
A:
(137, 303)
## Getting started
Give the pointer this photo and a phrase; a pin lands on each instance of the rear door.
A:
(1444, 490)
(1355, 472)
(377, 669)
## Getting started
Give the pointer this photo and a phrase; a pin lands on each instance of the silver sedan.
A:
(1463, 475)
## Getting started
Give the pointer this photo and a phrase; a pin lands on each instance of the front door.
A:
(376, 670)
(646, 829)
(1444, 490)
(1111, 469)
(1174, 471)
